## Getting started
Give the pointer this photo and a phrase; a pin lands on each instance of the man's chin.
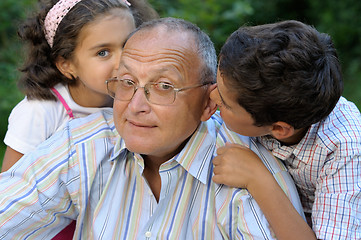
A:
(138, 147)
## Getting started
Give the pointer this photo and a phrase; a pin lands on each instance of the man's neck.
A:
(152, 164)
(151, 174)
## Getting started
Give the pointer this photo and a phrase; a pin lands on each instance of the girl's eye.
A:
(103, 53)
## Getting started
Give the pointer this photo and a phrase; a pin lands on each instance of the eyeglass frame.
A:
(146, 89)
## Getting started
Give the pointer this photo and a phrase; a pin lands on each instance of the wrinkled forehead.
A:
(160, 41)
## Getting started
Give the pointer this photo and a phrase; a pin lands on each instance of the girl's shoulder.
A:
(33, 121)
(29, 108)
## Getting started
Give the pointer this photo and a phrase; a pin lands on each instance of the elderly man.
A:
(147, 174)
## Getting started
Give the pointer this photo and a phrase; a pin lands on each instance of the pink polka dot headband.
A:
(55, 15)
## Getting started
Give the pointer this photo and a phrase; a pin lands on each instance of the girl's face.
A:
(96, 57)
(236, 117)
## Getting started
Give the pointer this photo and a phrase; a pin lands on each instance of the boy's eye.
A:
(223, 104)
(103, 53)
(226, 107)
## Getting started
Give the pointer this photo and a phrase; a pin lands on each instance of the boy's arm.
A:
(336, 212)
(237, 166)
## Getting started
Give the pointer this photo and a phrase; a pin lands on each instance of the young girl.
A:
(75, 45)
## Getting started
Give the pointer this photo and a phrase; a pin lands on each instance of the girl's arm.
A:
(240, 167)
(10, 158)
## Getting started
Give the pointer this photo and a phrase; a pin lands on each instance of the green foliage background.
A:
(340, 19)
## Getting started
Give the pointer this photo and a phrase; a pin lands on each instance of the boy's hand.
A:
(238, 166)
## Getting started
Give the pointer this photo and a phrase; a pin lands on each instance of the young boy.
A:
(282, 83)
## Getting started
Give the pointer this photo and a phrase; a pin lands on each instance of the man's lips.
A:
(141, 125)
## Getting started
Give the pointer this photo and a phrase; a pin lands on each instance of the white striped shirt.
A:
(86, 173)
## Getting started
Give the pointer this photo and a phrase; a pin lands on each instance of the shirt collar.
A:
(195, 157)
(119, 148)
(285, 152)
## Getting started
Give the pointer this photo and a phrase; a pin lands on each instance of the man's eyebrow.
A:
(158, 71)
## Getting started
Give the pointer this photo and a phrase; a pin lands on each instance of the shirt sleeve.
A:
(32, 122)
(280, 173)
(336, 212)
(37, 196)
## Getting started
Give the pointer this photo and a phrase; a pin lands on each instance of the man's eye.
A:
(164, 86)
(127, 83)
(103, 53)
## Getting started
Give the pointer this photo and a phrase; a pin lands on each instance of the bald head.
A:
(179, 30)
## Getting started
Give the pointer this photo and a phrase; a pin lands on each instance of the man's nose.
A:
(139, 102)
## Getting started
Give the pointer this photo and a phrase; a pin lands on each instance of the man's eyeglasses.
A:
(156, 93)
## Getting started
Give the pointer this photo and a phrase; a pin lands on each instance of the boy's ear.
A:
(210, 106)
(281, 130)
(65, 67)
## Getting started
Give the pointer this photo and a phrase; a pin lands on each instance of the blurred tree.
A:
(10, 57)
(217, 18)
(342, 20)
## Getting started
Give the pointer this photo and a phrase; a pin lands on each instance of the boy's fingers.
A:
(217, 160)
(221, 150)
(228, 144)
(216, 179)
(215, 170)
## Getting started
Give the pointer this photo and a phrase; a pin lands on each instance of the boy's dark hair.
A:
(286, 71)
(39, 70)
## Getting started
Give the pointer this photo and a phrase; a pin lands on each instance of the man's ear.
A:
(281, 130)
(65, 67)
(210, 106)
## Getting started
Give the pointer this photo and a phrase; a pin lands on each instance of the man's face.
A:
(152, 56)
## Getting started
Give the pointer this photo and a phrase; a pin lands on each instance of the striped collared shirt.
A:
(86, 173)
(326, 167)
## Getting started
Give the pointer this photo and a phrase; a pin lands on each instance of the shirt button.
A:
(148, 234)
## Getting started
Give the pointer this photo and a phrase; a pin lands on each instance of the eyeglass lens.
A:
(157, 93)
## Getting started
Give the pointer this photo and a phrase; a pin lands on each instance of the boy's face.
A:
(236, 117)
